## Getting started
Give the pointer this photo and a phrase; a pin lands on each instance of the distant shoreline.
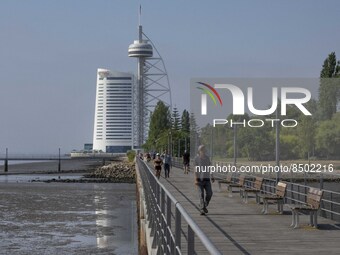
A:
(67, 166)
(86, 171)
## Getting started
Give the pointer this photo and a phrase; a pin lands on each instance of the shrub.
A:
(131, 154)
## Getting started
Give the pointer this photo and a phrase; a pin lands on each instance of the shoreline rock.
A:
(117, 172)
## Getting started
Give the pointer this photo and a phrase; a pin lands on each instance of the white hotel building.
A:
(113, 113)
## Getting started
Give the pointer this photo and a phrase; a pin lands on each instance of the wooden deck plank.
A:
(238, 228)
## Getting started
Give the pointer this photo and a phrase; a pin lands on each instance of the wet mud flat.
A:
(67, 218)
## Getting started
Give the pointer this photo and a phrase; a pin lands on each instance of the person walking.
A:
(186, 161)
(203, 179)
(167, 164)
(158, 165)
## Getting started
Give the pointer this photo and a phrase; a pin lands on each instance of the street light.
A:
(235, 145)
(170, 143)
(179, 148)
(211, 143)
(156, 144)
(277, 146)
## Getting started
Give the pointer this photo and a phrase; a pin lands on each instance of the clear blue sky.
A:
(50, 50)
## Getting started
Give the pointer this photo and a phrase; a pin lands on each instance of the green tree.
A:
(175, 119)
(306, 130)
(255, 143)
(329, 90)
(185, 130)
(185, 122)
(289, 147)
(160, 123)
(194, 135)
(330, 67)
(328, 137)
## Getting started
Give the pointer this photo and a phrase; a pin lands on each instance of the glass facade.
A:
(117, 149)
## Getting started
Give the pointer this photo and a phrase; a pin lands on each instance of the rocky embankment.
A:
(115, 172)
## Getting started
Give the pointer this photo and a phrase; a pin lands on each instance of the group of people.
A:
(166, 161)
(202, 179)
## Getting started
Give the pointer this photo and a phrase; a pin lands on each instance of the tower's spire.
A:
(140, 29)
(140, 14)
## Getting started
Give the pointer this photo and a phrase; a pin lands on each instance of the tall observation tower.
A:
(152, 84)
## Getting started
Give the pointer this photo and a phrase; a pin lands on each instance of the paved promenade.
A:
(238, 228)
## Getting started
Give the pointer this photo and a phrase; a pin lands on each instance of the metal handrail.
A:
(159, 202)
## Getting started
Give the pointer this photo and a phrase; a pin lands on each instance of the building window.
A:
(118, 78)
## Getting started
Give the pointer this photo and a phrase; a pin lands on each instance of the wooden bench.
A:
(279, 195)
(228, 180)
(314, 197)
(256, 188)
(240, 184)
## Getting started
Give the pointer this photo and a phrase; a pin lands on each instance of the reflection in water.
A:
(101, 220)
(116, 228)
(64, 218)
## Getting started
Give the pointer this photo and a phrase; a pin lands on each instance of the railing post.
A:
(292, 191)
(162, 201)
(158, 195)
(177, 229)
(168, 211)
(162, 217)
(6, 161)
(331, 198)
(168, 223)
(191, 241)
(59, 162)
(321, 181)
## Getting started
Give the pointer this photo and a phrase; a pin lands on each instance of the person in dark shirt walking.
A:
(167, 164)
(203, 179)
(186, 161)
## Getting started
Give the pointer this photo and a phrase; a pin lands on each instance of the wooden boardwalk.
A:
(239, 228)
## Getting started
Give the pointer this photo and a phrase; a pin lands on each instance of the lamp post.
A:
(211, 143)
(156, 144)
(170, 143)
(277, 146)
(179, 148)
(235, 145)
